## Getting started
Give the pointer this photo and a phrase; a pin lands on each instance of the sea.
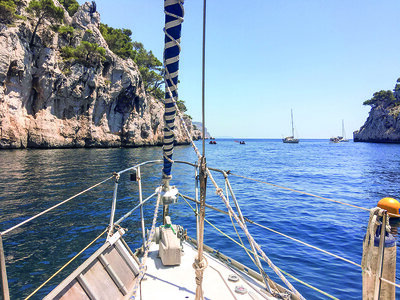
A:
(355, 173)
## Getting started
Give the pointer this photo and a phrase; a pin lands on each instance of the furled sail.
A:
(173, 19)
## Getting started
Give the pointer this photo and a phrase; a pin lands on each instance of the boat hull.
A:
(290, 140)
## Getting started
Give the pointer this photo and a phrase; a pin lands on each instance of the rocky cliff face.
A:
(49, 102)
(383, 122)
(199, 127)
(382, 126)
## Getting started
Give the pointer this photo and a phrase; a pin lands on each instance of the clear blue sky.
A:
(263, 57)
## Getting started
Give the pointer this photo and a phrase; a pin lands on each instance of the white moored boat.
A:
(291, 139)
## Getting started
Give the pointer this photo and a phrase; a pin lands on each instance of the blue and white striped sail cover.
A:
(173, 20)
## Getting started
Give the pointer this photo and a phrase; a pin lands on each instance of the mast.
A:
(343, 132)
(291, 112)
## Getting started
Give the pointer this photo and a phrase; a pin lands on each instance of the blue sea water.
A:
(356, 173)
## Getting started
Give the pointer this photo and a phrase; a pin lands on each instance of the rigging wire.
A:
(291, 276)
(65, 265)
(282, 234)
(221, 194)
(306, 193)
(250, 251)
(304, 243)
(53, 207)
(297, 191)
(203, 79)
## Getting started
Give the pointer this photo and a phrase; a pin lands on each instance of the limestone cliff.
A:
(383, 122)
(49, 102)
(199, 126)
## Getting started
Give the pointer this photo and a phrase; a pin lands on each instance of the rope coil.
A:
(199, 267)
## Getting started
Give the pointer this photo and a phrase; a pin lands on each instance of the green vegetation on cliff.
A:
(380, 97)
(181, 105)
(386, 98)
(44, 10)
(118, 40)
(88, 54)
(397, 89)
(71, 6)
(67, 32)
(151, 70)
(382, 124)
(7, 11)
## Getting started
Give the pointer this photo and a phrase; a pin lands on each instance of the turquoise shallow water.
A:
(355, 173)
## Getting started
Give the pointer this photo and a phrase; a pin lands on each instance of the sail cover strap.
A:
(173, 10)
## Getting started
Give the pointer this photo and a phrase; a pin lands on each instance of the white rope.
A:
(251, 239)
(389, 282)
(199, 267)
(142, 268)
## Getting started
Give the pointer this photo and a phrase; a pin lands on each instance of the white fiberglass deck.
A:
(178, 282)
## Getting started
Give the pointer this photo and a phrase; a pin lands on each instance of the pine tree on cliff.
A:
(383, 98)
(7, 11)
(150, 68)
(71, 6)
(44, 10)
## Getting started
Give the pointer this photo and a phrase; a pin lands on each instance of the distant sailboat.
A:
(339, 139)
(343, 133)
(291, 139)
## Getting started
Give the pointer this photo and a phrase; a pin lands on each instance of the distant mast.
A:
(343, 139)
(343, 132)
(291, 113)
